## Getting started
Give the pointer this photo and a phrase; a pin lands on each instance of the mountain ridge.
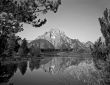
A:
(60, 41)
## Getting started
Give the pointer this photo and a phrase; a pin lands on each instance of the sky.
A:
(77, 18)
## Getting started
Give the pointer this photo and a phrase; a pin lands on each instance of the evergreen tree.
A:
(101, 51)
(105, 26)
(24, 47)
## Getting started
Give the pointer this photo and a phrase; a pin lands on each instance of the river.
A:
(47, 71)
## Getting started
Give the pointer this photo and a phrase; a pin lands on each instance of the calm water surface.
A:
(47, 71)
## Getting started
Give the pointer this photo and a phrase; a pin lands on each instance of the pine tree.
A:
(105, 26)
(24, 46)
(101, 51)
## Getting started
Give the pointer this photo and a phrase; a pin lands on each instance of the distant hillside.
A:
(41, 43)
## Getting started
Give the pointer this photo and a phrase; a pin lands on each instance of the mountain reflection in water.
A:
(47, 71)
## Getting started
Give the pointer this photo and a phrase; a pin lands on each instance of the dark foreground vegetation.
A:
(101, 50)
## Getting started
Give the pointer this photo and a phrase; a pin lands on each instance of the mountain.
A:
(88, 44)
(77, 43)
(58, 40)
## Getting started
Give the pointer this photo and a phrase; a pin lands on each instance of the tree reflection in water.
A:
(58, 67)
(22, 67)
(34, 64)
(6, 72)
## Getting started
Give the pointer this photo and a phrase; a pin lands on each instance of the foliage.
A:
(9, 46)
(105, 26)
(8, 28)
(101, 50)
(28, 10)
(34, 50)
(12, 45)
(14, 13)
(23, 50)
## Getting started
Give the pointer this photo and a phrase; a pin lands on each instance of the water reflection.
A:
(6, 72)
(34, 64)
(39, 71)
(59, 64)
(22, 67)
